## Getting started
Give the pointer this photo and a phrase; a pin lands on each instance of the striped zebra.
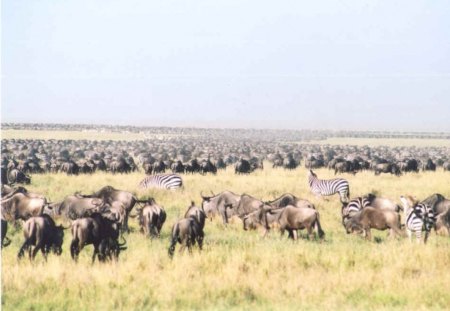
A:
(418, 217)
(353, 206)
(329, 187)
(162, 181)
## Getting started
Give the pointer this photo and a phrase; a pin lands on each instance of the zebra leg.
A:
(409, 233)
(419, 236)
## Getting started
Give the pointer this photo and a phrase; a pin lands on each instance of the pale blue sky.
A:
(367, 65)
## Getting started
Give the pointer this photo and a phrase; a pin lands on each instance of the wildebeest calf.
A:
(42, 233)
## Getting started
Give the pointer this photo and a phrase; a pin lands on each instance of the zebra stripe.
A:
(329, 187)
(419, 218)
(355, 205)
(162, 181)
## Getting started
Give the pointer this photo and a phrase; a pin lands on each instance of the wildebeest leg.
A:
(368, 234)
(22, 250)
(39, 246)
(425, 239)
(200, 240)
(96, 246)
(189, 244)
(74, 251)
(44, 252)
(310, 232)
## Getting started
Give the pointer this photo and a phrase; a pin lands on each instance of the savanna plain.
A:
(237, 269)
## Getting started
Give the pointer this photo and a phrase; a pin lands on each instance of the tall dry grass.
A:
(237, 269)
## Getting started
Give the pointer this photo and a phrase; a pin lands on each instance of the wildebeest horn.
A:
(122, 245)
(203, 197)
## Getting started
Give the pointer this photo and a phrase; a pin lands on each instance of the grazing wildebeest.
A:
(42, 233)
(197, 213)
(17, 176)
(151, 218)
(387, 168)
(109, 195)
(246, 205)
(186, 231)
(373, 218)
(217, 204)
(98, 230)
(76, 206)
(296, 218)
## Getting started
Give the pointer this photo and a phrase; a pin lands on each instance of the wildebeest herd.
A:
(206, 155)
(101, 218)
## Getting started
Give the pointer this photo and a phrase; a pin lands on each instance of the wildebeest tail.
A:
(173, 242)
(75, 241)
(318, 227)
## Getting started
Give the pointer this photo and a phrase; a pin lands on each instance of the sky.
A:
(356, 65)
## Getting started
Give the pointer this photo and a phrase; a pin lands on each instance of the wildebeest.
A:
(242, 167)
(246, 205)
(383, 203)
(387, 168)
(207, 167)
(296, 218)
(443, 223)
(17, 176)
(220, 204)
(42, 233)
(20, 205)
(187, 232)
(151, 218)
(289, 199)
(76, 206)
(197, 213)
(110, 195)
(429, 165)
(373, 218)
(438, 203)
(101, 231)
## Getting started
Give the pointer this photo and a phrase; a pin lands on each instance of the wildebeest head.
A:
(352, 226)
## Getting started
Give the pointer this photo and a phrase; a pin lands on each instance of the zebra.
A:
(329, 187)
(353, 206)
(162, 181)
(418, 217)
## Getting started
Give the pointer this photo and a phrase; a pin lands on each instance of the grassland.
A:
(239, 270)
